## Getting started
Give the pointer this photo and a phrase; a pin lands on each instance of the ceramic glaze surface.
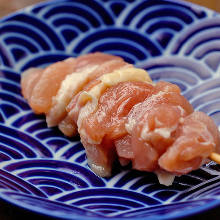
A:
(45, 172)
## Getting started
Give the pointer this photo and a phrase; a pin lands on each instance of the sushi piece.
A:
(121, 114)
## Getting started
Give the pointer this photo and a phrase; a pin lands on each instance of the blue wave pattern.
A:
(176, 42)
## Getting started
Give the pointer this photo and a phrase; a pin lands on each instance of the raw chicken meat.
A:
(120, 113)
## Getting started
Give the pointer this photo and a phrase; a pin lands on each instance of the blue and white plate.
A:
(43, 171)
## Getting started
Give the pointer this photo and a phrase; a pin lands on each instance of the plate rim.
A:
(38, 210)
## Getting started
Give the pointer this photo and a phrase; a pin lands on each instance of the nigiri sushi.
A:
(120, 114)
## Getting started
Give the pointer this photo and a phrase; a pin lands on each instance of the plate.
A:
(45, 172)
